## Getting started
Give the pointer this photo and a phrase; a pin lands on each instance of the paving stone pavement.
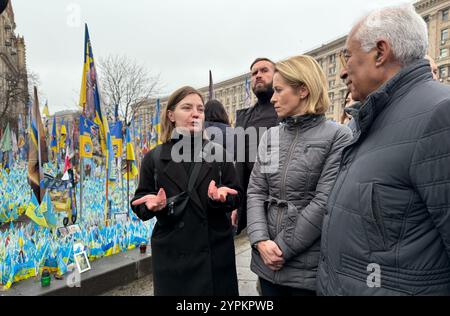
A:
(247, 279)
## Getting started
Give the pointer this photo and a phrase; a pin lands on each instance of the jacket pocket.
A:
(372, 218)
(314, 156)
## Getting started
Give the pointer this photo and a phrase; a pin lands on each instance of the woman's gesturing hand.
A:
(219, 194)
(153, 202)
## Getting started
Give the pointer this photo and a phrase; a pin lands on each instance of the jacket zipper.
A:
(283, 194)
(283, 184)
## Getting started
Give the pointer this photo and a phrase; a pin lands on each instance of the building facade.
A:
(231, 93)
(436, 14)
(13, 70)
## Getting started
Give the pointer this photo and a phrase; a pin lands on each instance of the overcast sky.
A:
(178, 39)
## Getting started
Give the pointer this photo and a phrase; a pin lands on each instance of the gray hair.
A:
(401, 27)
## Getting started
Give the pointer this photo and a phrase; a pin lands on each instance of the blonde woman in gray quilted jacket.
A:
(293, 175)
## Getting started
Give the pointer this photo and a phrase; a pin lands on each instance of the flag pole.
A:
(36, 109)
(128, 182)
(81, 184)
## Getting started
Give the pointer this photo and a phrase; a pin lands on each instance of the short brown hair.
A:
(167, 126)
(257, 60)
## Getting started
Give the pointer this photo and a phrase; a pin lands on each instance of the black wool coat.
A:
(193, 255)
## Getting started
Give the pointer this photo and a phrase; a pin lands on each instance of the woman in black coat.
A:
(192, 245)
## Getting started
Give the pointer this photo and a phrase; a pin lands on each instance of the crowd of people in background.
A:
(356, 207)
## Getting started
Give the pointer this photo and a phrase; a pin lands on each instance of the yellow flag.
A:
(86, 146)
(46, 112)
(33, 212)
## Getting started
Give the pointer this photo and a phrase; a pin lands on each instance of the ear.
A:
(171, 116)
(384, 52)
(303, 92)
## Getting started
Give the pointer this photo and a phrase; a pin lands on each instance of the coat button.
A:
(181, 225)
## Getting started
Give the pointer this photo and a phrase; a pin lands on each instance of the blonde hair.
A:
(304, 71)
(167, 126)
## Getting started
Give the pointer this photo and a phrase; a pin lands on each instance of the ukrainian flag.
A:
(86, 146)
(46, 208)
(132, 172)
(117, 138)
(54, 143)
(90, 96)
(158, 121)
(37, 153)
(33, 212)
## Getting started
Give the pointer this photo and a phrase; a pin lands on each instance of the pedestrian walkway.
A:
(247, 279)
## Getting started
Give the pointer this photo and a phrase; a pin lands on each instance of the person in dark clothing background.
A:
(192, 244)
(218, 129)
(261, 115)
(217, 125)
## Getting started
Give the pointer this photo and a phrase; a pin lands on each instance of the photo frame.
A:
(72, 229)
(63, 232)
(82, 262)
(121, 217)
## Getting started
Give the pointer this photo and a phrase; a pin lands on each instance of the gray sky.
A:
(178, 39)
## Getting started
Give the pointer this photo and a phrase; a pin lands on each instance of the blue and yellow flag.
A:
(89, 96)
(54, 142)
(87, 130)
(37, 153)
(33, 212)
(46, 208)
(117, 138)
(132, 171)
(156, 126)
(158, 120)
(89, 93)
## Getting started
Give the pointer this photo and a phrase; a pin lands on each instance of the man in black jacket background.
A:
(261, 115)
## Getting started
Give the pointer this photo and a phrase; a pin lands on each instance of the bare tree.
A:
(13, 97)
(126, 86)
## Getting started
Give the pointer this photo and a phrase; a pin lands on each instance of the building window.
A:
(320, 62)
(332, 71)
(443, 72)
(331, 95)
(444, 35)
(332, 59)
(331, 84)
(445, 15)
(444, 52)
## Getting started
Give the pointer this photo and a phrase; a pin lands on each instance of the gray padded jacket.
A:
(287, 194)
